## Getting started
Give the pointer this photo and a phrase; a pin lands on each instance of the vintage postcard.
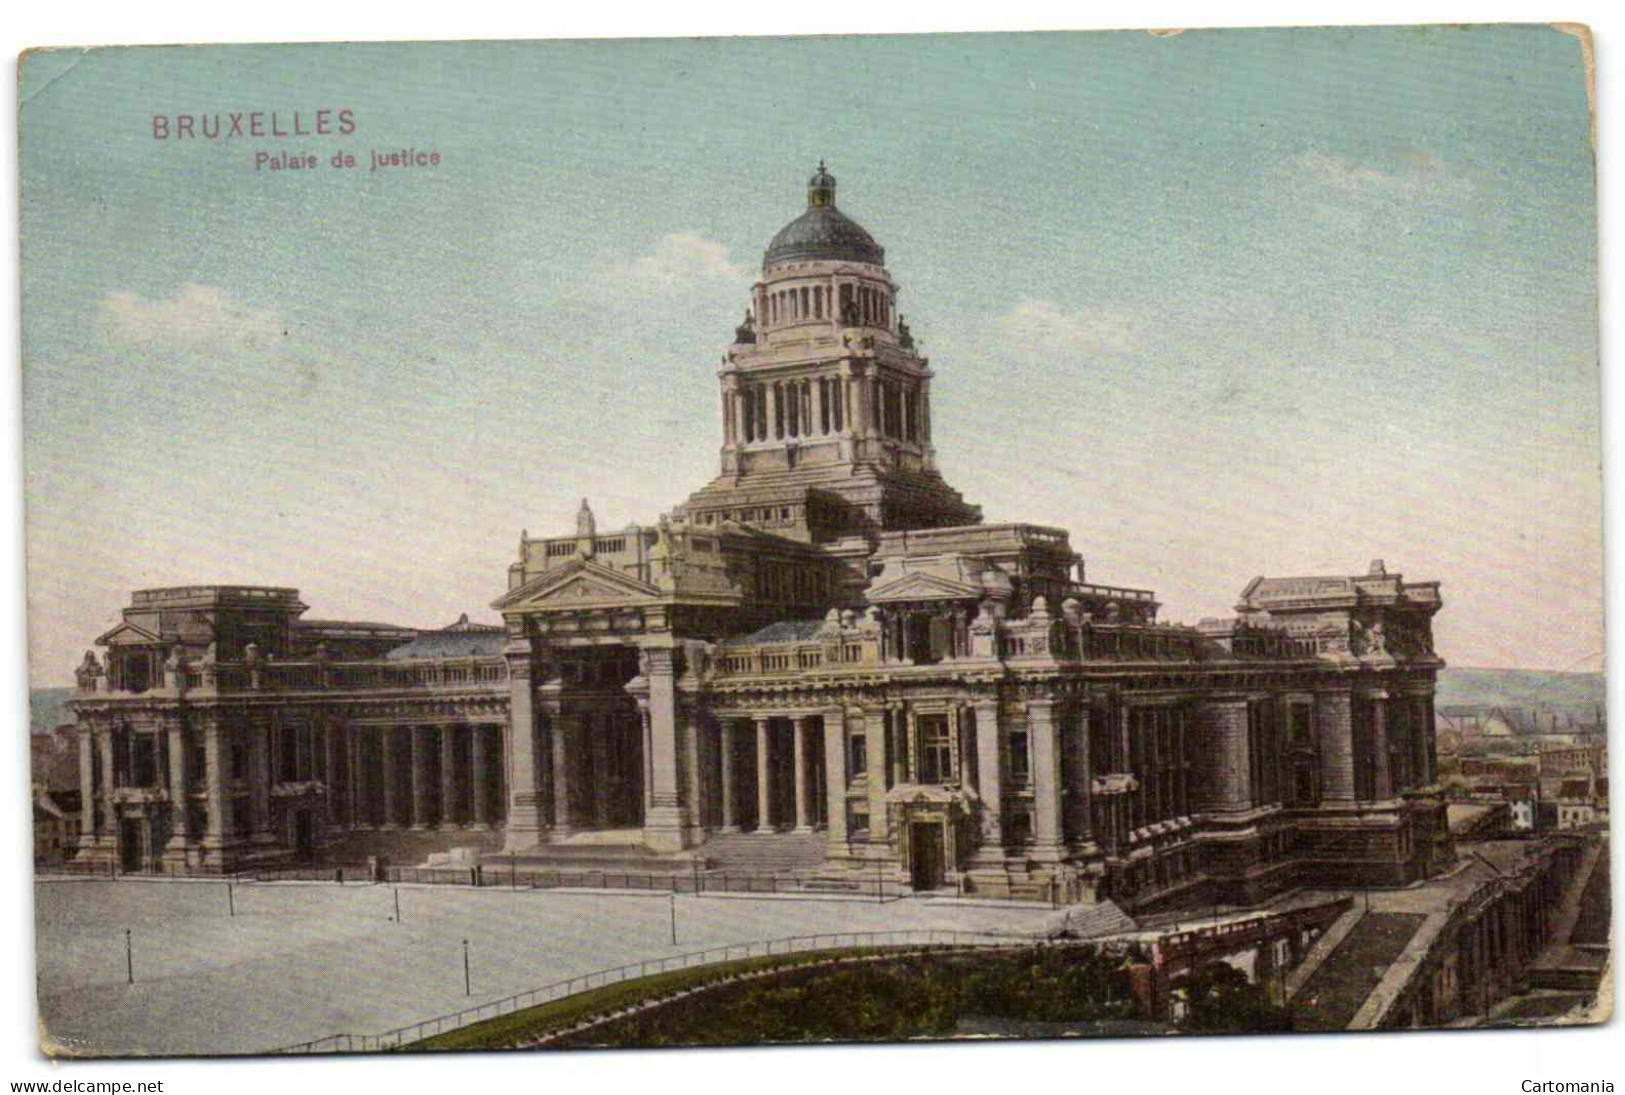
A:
(736, 541)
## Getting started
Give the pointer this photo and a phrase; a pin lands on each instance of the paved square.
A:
(302, 961)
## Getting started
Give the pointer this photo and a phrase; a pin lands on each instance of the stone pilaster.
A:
(1334, 738)
(1044, 735)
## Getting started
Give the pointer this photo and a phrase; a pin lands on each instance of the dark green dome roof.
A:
(823, 231)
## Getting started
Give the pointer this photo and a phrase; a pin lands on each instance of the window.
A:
(1020, 765)
(936, 751)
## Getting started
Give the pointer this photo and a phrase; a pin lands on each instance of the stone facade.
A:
(825, 639)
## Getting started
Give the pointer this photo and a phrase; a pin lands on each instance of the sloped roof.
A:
(451, 644)
(783, 631)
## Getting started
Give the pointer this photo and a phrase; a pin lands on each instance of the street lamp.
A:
(468, 983)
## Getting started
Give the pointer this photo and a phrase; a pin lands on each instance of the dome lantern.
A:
(823, 232)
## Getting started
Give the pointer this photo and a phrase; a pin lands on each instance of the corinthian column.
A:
(666, 826)
(803, 792)
(764, 783)
(524, 829)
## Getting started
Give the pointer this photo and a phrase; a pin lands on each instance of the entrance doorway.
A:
(304, 837)
(926, 855)
(130, 850)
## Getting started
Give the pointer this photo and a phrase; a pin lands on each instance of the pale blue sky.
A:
(1223, 304)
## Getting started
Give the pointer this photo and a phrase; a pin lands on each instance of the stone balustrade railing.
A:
(473, 674)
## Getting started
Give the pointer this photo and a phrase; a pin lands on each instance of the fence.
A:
(708, 881)
(407, 1036)
(109, 869)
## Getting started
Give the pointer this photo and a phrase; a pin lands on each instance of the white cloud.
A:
(1045, 326)
(1414, 174)
(685, 257)
(198, 317)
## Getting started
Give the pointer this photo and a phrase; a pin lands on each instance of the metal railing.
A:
(406, 1036)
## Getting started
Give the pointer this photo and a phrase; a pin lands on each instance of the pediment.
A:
(128, 634)
(578, 583)
(923, 587)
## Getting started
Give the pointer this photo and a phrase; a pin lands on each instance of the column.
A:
(330, 743)
(989, 778)
(422, 742)
(1041, 729)
(177, 789)
(524, 826)
(764, 782)
(598, 729)
(88, 827)
(694, 768)
(1221, 781)
(104, 745)
(803, 792)
(875, 721)
(835, 774)
(352, 773)
(1334, 730)
(480, 788)
(665, 825)
(730, 823)
(772, 410)
(563, 777)
(391, 770)
(1421, 775)
(896, 737)
(260, 779)
(448, 777)
(219, 825)
(1079, 790)
(1382, 779)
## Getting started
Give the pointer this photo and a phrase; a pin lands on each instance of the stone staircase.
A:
(765, 853)
(1333, 995)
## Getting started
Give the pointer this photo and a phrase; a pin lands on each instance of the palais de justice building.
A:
(825, 650)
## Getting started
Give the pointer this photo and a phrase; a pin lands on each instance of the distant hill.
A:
(48, 709)
(1579, 694)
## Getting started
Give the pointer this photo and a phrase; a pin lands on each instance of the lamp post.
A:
(129, 958)
(674, 918)
(468, 981)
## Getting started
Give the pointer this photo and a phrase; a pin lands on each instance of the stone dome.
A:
(823, 231)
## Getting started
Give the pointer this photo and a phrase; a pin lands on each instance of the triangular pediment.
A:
(923, 587)
(580, 582)
(127, 634)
